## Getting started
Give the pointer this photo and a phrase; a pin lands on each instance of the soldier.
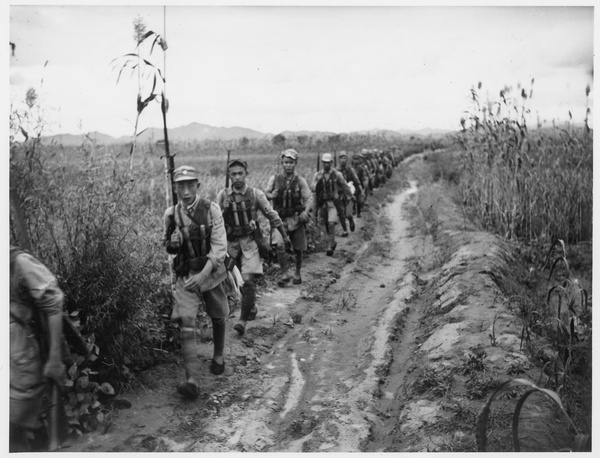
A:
(35, 356)
(352, 179)
(363, 175)
(326, 186)
(240, 204)
(292, 200)
(195, 232)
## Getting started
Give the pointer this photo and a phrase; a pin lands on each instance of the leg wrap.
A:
(248, 299)
(282, 258)
(218, 325)
(298, 260)
(188, 349)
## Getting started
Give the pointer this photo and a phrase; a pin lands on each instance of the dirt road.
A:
(374, 363)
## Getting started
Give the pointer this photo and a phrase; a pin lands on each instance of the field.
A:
(93, 214)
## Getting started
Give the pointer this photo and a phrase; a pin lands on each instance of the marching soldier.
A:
(352, 179)
(195, 233)
(362, 172)
(292, 200)
(327, 185)
(245, 243)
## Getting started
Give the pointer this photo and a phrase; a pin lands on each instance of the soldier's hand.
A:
(55, 370)
(176, 239)
(304, 217)
(194, 281)
(288, 243)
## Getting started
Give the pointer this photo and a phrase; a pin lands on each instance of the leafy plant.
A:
(581, 442)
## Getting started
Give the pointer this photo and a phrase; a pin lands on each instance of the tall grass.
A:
(533, 184)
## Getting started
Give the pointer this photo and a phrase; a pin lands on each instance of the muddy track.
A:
(305, 386)
(392, 345)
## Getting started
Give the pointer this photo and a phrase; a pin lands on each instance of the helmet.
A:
(185, 173)
(291, 153)
(327, 157)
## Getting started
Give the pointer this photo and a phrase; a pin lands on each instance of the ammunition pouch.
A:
(263, 245)
(229, 263)
(184, 265)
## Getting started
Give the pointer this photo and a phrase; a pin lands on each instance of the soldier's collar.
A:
(192, 207)
(232, 190)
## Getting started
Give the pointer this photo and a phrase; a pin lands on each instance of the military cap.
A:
(342, 153)
(239, 162)
(327, 157)
(185, 173)
(291, 153)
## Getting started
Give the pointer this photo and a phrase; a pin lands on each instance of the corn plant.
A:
(151, 81)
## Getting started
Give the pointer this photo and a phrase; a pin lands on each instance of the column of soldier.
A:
(218, 248)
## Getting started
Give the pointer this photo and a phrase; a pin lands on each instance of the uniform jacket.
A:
(218, 239)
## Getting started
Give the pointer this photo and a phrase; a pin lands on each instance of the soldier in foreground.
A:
(292, 200)
(327, 185)
(35, 356)
(245, 243)
(195, 233)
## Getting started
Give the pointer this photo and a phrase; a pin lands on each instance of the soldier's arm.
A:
(270, 186)
(266, 208)
(43, 288)
(270, 213)
(218, 238)
(307, 194)
(343, 185)
(356, 180)
(313, 188)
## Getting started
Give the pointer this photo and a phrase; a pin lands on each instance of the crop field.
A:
(94, 216)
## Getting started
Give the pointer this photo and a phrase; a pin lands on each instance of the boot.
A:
(343, 224)
(351, 223)
(283, 263)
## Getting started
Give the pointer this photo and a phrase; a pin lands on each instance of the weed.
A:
(436, 381)
(345, 301)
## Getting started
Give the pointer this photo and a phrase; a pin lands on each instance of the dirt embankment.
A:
(393, 344)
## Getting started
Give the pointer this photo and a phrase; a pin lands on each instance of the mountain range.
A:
(196, 132)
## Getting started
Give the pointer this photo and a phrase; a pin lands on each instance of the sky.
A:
(277, 68)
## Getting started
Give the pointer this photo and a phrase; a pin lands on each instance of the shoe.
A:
(217, 368)
(331, 250)
(252, 314)
(188, 390)
(240, 328)
(297, 279)
(352, 227)
(284, 280)
(344, 234)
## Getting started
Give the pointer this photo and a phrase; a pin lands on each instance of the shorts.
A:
(297, 237)
(188, 302)
(328, 210)
(244, 251)
(349, 208)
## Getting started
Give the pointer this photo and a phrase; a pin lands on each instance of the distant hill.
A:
(199, 132)
(196, 132)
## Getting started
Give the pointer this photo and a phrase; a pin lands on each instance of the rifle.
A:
(318, 161)
(227, 169)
